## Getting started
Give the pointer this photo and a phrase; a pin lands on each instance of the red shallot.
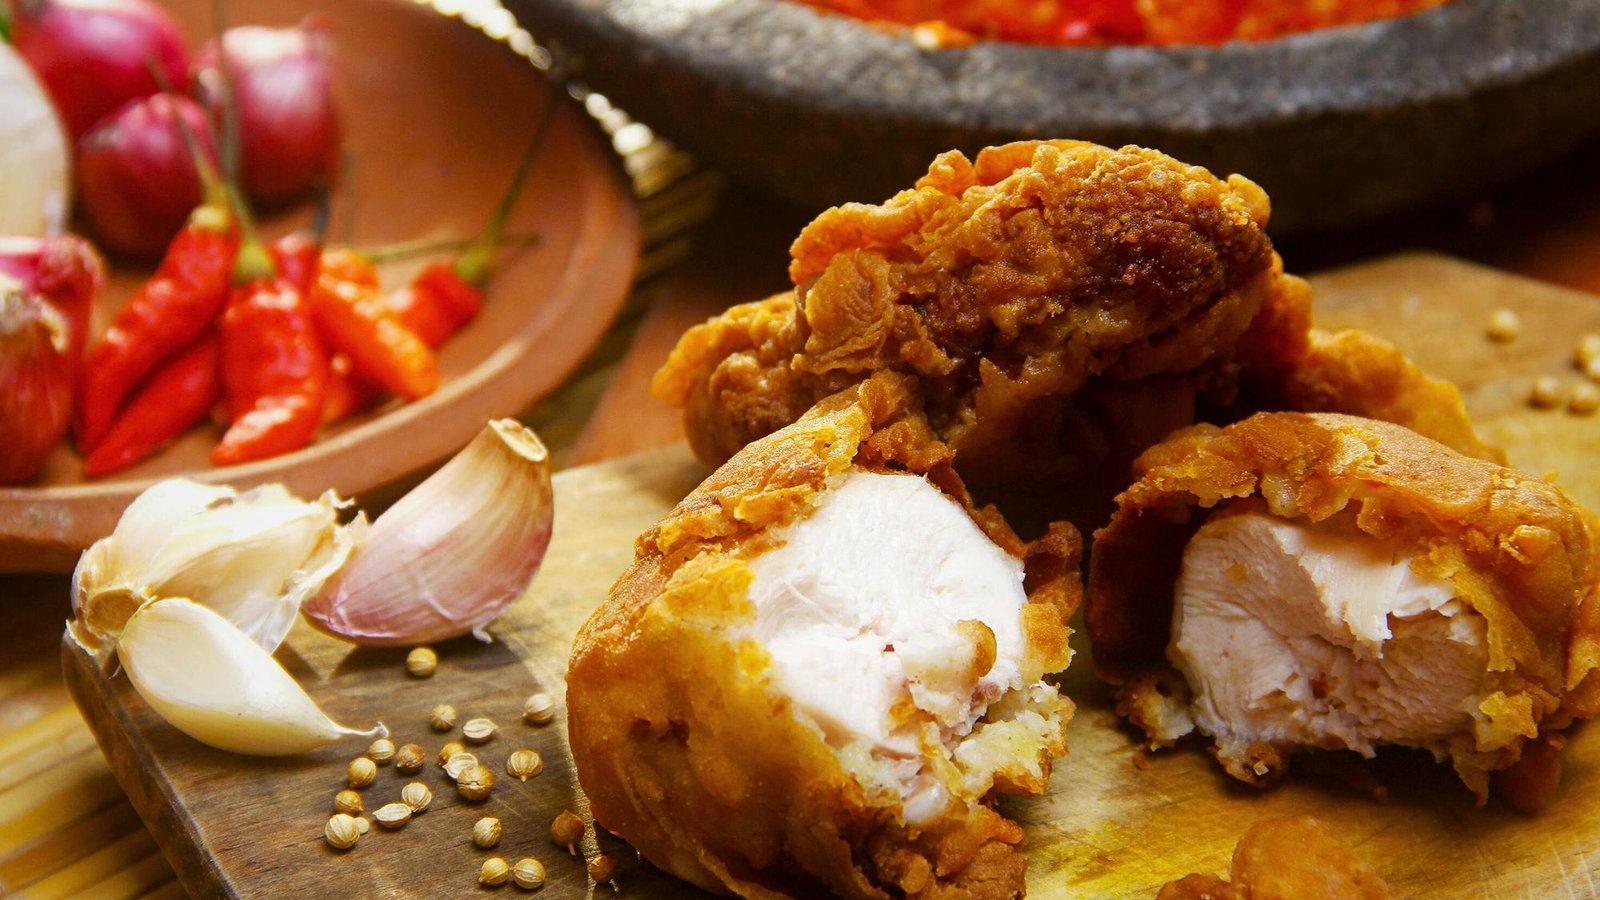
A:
(281, 88)
(136, 180)
(94, 55)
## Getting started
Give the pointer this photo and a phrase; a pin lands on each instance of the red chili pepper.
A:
(47, 286)
(180, 393)
(352, 318)
(166, 314)
(298, 257)
(274, 369)
(436, 303)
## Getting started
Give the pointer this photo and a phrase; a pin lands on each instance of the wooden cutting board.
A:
(1114, 824)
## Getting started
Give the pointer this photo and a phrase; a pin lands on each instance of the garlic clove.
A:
(213, 683)
(251, 556)
(451, 555)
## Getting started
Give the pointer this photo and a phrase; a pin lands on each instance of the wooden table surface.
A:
(65, 827)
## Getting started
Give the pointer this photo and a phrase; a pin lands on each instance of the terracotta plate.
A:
(436, 117)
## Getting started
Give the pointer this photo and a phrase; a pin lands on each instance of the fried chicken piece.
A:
(1302, 581)
(1287, 858)
(1062, 305)
(823, 666)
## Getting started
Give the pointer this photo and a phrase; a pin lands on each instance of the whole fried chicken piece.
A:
(1286, 858)
(1003, 284)
(823, 666)
(1295, 582)
(1063, 306)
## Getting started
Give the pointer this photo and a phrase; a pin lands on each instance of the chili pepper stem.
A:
(408, 249)
(474, 265)
(213, 209)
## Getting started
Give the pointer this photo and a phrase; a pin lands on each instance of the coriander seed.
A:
(410, 758)
(459, 764)
(361, 772)
(1546, 392)
(392, 815)
(362, 825)
(340, 832)
(567, 830)
(528, 873)
(348, 802)
(486, 832)
(524, 764)
(475, 783)
(1504, 326)
(443, 717)
(1587, 351)
(1591, 369)
(381, 751)
(421, 662)
(478, 731)
(539, 710)
(417, 796)
(602, 869)
(1584, 400)
(494, 872)
(449, 750)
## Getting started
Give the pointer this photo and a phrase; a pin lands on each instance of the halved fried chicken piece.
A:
(1062, 306)
(824, 665)
(1294, 582)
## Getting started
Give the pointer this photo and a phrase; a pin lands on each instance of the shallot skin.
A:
(94, 55)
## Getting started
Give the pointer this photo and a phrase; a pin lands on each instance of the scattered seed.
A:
(1587, 351)
(602, 869)
(348, 802)
(478, 731)
(539, 710)
(1585, 399)
(494, 872)
(361, 772)
(392, 815)
(459, 764)
(1591, 369)
(524, 764)
(528, 873)
(362, 825)
(341, 832)
(421, 661)
(1546, 392)
(443, 717)
(486, 832)
(410, 758)
(567, 830)
(449, 750)
(381, 751)
(1504, 326)
(475, 783)
(417, 796)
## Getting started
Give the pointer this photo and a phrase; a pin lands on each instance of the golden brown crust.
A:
(1003, 284)
(685, 752)
(1517, 551)
(1287, 858)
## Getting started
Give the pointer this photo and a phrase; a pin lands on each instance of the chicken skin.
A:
(1295, 581)
(1062, 306)
(1286, 858)
(824, 665)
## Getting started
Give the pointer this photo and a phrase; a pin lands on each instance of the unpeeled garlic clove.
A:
(253, 557)
(451, 555)
(213, 683)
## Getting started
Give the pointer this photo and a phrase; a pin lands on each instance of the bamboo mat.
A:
(66, 829)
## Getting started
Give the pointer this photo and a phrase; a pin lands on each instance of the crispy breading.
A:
(685, 750)
(1063, 306)
(1286, 858)
(1517, 551)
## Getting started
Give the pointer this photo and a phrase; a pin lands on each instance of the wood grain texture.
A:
(1115, 823)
